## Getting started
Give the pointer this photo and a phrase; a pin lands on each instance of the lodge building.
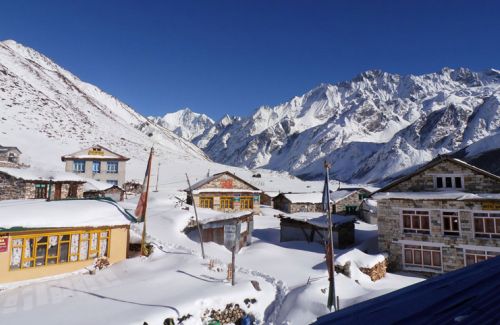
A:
(225, 192)
(50, 238)
(9, 156)
(444, 216)
(97, 163)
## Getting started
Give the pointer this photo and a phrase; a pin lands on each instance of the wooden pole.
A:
(233, 260)
(143, 238)
(332, 298)
(157, 177)
(196, 216)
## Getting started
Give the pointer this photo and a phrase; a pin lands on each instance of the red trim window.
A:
(476, 256)
(416, 222)
(451, 225)
(487, 224)
(422, 256)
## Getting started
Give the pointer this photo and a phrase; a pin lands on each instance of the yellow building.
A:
(40, 238)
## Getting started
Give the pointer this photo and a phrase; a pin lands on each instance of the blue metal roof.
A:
(470, 295)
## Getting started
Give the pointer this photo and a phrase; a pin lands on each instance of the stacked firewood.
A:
(377, 272)
(229, 315)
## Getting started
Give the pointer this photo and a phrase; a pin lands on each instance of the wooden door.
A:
(57, 191)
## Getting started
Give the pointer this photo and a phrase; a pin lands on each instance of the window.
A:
(73, 190)
(487, 224)
(79, 166)
(451, 225)
(40, 191)
(427, 257)
(226, 202)
(112, 167)
(206, 202)
(475, 256)
(416, 222)
(12, 158)
(57, 248)
(446, 182)
(112, 181)
(246, 203)
(96, 167)
(362, 196)
(351, 208)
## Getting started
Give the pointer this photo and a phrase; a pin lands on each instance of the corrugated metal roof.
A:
(470, 295)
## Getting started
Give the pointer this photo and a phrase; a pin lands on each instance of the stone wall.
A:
(351, 200)
(11, 188)
(391, 235)
(473, 181)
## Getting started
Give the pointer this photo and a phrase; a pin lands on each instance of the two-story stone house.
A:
(225, 192)
(97, 163)
(9, 156)
(442, 217)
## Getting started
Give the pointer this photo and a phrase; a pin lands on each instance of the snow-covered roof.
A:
(271, 194)
(435, 196)
(78, 155)
(208, 215)
(29, 214)
(224, 190)
(36, 174)
(93, 185)
(315, 197)
(215, 176)
(317, 218)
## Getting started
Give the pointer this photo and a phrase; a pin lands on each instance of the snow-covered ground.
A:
(175, 281)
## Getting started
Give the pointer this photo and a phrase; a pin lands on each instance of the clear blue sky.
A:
(220, 57)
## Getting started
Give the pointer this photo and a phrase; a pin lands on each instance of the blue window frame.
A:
(112, 167)
(79, 166)
(112, 181)
(96, 166)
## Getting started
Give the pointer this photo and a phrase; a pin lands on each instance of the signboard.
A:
(229, 235)
(4, 244)
(226, 183)
(96, 152)
(490, 205)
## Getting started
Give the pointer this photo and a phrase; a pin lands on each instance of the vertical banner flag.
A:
(140, 210)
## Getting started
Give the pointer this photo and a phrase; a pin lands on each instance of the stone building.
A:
(97, 163)
(442, 217)
(225, 192)
(342, 201)
(9, 156)
(30, 183)
(313, 227)
(93, 189)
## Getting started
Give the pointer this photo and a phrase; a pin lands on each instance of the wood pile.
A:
(377, 272)
(229, 315)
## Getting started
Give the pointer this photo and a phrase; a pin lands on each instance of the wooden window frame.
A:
(226, 202)
(486, 216)
(422, 248)
(246, 203)
(483, 255)
(59, 235)
(448, 214)
(411, 213)
(206, 199)
(453, 182)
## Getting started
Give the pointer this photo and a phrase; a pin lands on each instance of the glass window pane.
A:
(489, 225)
(436, 258)
(40, 240)
(448, 182)
(427, 257)
(63, 254)
(454, 224)
(469, 259)
(28, 248)
(497, 222)
(408, 256)
(84, 250)
(439, 182)
(53, 245)
(103, 247)
(478, 224)
(17, 242)
(406, 221)
(417, 257)
(446, 223)
(415, 222)
(458, 182)
(15, 259)
(425, 222)
(480, 258)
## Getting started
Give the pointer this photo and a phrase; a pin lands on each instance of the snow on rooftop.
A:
(36, 174)
(61, 214)
(93, 185)
(435, 196)
(224, 190)
(209, 215)
(360, 259)
(316, 197)
(318, 218)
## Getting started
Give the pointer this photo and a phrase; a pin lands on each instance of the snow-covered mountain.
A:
(370, 127)
(46, 111)
(185, 123)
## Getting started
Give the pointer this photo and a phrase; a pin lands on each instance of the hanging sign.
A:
(490, 205)
(4, 244)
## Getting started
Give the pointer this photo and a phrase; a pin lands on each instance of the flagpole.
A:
(196, 216)
(143, 239)
(332, 298)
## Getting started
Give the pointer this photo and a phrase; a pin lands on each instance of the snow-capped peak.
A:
(185, 123)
